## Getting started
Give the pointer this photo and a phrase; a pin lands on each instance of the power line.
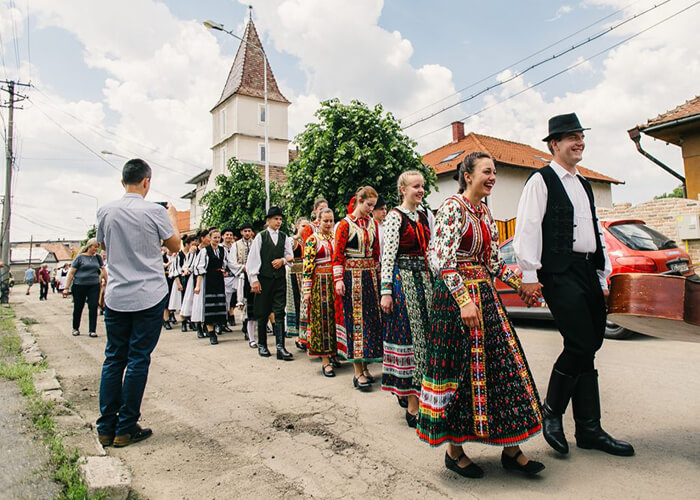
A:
(554, 44)
(14, 35)
(537, 64)
(565, 70)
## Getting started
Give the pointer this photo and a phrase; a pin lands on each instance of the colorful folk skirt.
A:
(357, 315)
(406, 327)
(321, 337)
(293, 299)
(477, 385)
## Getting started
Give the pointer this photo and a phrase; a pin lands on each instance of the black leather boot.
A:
(224, 328)
(262, 340)
(589, 434)
(244, 328)
(200, 332)
(559, 391)
(213, 339)
(167, 326)
(183, 326)
(232, 320)
(282, 353)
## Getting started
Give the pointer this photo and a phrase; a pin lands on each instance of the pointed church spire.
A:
(246, 74)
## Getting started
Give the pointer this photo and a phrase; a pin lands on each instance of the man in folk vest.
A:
(560, 249)
(269, 254)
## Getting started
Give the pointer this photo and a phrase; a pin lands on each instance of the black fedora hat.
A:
(562, 124)
(245, 225)
(274, 211)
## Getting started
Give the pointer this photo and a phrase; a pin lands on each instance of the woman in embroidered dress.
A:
(355, 262)
(210, 279)
(319, 295)
(406, 294)
(198, 297)
(189, 268)
(477, 385)
(292, 315)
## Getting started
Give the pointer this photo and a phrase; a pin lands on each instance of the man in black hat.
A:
(270, 252)
(560, 249)
(246, 299)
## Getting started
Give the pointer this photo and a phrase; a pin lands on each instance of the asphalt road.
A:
(228, 423)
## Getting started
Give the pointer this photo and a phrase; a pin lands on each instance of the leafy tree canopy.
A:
(676, 193)
(239, 197)
(350, 146)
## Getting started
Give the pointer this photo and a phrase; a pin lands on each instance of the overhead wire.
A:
(567, 69)
(553, 44)
(535, 65)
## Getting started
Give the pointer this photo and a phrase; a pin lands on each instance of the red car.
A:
(632, 247)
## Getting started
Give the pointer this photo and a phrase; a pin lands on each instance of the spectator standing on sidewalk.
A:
(29, 276)
(44, 281)
(135, 298)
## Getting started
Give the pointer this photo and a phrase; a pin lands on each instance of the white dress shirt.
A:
(253, 264)
(527, 241)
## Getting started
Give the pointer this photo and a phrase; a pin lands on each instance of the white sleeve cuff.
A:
(530, 277)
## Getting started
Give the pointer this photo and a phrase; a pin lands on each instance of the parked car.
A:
(632, 246)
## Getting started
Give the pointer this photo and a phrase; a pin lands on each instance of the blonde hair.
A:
(88, 244)
(403, 180)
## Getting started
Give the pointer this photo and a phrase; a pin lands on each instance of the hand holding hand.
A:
(387, 304)
(255, 287)
(470, 315)
(530, 293)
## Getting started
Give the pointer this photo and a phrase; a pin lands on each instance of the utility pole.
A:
(7, 202)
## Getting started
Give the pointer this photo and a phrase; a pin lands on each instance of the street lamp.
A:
(84, 222)
(212, 25)
(104, 152)
(97, 202)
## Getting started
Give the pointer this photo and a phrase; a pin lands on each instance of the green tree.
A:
(239, 197)
(676, 193)
(91, 233)
(350, 146)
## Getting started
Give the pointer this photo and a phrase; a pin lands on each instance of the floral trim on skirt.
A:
(477, 385)
(321, 337)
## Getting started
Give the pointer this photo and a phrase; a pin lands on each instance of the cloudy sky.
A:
(138, 77)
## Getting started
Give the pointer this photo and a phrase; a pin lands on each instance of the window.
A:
(261, 151)
(508, 253)
(223, 159)
(641, 237)
(452, 156)
(222, 124)
(261, 113)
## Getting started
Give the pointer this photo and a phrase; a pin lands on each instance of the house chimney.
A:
(457, 131)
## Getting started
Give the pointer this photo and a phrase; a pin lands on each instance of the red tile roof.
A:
(505, 152)
(246, 76)
(689, 108)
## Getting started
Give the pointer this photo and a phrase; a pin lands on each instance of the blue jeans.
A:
(131, 338)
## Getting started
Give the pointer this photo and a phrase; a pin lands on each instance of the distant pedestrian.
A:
(44, 281)
(29, 278)
(134, 301)
(54, 282)
(61, 276)
(85, 274)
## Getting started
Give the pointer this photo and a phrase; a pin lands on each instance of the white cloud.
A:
(561, 11)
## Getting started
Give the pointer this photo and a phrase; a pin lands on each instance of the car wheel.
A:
(616, 332)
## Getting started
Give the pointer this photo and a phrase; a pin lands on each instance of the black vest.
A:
(558, 225)
(269, 252)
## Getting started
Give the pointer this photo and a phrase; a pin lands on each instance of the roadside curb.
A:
(104, 475)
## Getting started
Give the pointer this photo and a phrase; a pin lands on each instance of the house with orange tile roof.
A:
(514, 161)
(680, 126)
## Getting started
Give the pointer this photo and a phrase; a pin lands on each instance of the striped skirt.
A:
(477, 384)
(321, 337)
(358, 319)
(405, 328)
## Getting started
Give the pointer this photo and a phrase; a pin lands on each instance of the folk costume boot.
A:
(183, 326)
(589, 434)
(559, 391)
(282, 353)
(262, 340)
(232, 320)
(200, 331)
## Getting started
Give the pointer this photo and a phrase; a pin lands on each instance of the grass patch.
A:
(63, 462)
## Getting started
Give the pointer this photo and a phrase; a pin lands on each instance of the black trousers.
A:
(81, 293)
(272, 299)
(43, 291)
(578, 306)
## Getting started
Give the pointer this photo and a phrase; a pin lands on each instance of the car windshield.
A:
(641, 237)
(508, 253)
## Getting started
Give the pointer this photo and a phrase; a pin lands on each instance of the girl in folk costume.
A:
(406, 294)
(198, 297)
(188, 269)
(294, 280)
(312, 228)
(477, 384)
(168, 258)
(318, 293)
(175, 300)
(355, 263)
(184, 270)
(210, 270)
(246, 299)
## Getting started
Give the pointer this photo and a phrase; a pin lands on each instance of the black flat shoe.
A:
(300, 345)
(368, 376)
(336, 363)
(403, 401)
(411, 420)
(225, 328)
(531, 468)
(213, 340)
(263, 351)
(252, 344)
(183, 327)
(360, 385)
(166, 325)
(326, 372)
(471, 471)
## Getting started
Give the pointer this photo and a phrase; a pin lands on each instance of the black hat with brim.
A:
(381, 202)
(245, 225)
(273, 212)
(563, 124)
